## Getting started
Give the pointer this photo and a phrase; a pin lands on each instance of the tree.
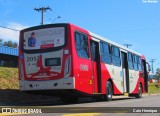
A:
(15, 45)
(10, 44)
(157, 77)
(157, 73)
(5, 43)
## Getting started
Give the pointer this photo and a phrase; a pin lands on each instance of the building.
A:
(8, 56)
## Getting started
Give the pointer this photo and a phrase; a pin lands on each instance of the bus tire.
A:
(109, 91)
(139, 95)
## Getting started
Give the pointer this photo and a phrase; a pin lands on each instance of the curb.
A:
(122, 96)
(156, 94)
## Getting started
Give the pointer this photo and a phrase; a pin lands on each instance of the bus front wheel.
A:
(109, 91)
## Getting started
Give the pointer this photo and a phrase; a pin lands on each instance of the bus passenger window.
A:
(135, 60)
(130, 60)
(105, 53)
(139, 63)
(81, 42)
(116, 56)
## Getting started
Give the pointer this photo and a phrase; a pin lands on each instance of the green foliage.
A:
(5, 43)
(15, 45)
(152, 88)
(158, 74)
(8, 43)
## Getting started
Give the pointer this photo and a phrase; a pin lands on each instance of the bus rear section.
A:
(45, 58)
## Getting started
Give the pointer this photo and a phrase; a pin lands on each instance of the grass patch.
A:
(9, 78)
(153, 88)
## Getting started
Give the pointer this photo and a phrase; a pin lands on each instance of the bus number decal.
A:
(35, 58)
(83, 67)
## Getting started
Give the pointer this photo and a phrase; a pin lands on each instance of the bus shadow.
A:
(14, 97)
(92, 100)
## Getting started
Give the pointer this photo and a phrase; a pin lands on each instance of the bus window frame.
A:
(113, 55)
(102, 51)
(76, 31)
(135, 59)
(139, 63)
(130, 61)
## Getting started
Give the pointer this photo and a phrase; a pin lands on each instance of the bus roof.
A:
(113, 43)
(93, 35)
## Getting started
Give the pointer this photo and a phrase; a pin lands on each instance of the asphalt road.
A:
(146, 106)
(145, 101)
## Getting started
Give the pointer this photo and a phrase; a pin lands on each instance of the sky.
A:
(135, 22)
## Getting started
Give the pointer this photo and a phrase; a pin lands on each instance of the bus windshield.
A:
(44, 38)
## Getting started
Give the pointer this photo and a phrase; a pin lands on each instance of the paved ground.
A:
(119, 106)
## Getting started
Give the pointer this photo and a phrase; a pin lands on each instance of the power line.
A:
(43, 9)
(127, 45)
(66, 20)
(56, 19)
(9, 28)
(51, 17)
(48, 16)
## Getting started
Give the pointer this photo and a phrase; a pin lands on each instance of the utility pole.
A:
(127, 45)
(42, 9)
(152, 61)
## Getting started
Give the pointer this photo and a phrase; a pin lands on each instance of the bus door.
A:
(125, 72)
(145, 75)
(95, 64)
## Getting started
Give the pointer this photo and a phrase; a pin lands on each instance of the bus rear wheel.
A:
(139, 95)
(109, 91)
